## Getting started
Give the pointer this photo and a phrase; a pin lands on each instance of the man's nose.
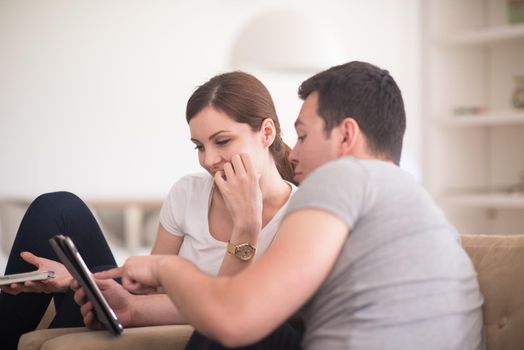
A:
(293, 155)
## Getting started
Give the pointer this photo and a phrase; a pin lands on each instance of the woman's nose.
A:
(211, 158)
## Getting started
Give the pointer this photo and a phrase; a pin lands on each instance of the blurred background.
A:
(93, 95)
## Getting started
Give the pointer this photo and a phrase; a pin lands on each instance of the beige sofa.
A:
(157, 337)
(499, 261)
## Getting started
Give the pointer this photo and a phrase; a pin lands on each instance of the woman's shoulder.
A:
(294, 188)
(196, 177)
(191, 182)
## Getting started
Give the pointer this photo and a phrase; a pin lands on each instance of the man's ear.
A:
(268, 132)
(350, 132)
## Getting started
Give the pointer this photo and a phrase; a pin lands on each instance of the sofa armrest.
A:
(152, 338)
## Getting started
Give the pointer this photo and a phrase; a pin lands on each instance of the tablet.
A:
(68, 254)
(26, 276)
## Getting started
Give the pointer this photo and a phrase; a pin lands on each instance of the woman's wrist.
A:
(246, 233)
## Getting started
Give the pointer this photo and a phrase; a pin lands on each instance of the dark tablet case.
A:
(68, 254)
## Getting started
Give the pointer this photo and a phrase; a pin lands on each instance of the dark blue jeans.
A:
(48, 215)
(284, 337)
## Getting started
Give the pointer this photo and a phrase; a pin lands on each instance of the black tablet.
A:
(68, 254)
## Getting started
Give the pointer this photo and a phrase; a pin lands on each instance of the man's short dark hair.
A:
(367, 94)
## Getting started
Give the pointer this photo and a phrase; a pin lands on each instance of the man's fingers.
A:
(113, 273)
(104, 284)
(86, 308)
(131, 285)
(91, 321)
(74, 285)
(79, 296)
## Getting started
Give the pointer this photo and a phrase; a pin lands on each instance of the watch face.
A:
(245, 251)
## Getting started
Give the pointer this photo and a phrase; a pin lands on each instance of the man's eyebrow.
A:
(298, 122)
(211, 136)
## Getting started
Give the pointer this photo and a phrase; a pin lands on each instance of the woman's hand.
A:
(117, 297)
(59, 283)
(240, 188)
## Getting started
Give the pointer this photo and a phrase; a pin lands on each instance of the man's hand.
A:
(117, 297)
(59, 283)
(139, 274)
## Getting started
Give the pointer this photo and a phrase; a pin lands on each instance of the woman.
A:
(236, 132)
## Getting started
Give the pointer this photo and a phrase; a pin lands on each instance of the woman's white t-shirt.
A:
(185, 214)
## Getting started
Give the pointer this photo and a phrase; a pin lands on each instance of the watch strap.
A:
(243, 251)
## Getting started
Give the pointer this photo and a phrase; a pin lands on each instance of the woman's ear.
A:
(268, 132)
(350, 132)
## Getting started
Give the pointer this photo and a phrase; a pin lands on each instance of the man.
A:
(363, 252)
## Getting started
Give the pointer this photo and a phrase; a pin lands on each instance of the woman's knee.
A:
(55, 201)
(56, 197)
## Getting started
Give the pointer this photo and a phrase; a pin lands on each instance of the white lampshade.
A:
(287, 40)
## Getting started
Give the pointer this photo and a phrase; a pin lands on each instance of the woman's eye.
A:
(199, 148)
(222, 142)
(301, 138)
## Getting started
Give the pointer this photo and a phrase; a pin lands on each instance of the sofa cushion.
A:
(35, 339)
(155, 337)
(499, 261)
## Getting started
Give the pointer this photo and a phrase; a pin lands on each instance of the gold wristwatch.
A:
(243, 251)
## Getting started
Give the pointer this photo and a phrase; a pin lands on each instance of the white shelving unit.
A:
(485, 35)
(473, 162)
(495, 118)
(488, 200)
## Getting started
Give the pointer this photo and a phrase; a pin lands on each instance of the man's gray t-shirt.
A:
(402, 280)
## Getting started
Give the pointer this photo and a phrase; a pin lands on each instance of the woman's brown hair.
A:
(246, 100)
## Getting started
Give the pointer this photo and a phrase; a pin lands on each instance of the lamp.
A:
(286, 40)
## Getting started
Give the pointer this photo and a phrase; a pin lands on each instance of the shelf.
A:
(499, 117)
(487, 200)
(486, 35)
(473, 161)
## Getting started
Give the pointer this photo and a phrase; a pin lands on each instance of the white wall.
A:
(93, 93)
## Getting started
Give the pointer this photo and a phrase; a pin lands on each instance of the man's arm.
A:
(157, 309)
(244, 308)
(136, 310)
(154, 309)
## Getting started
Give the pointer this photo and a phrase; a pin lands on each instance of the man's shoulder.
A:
(349, 166)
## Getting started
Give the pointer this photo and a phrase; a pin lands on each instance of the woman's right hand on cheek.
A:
(241, 192)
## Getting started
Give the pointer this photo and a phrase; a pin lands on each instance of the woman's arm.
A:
(239, 186)
(166, 243)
